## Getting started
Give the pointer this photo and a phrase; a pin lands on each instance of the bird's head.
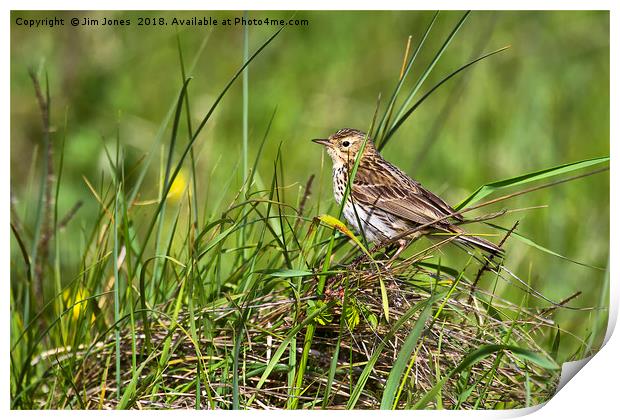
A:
(344, 145)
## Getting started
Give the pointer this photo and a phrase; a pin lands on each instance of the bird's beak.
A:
(324, 142)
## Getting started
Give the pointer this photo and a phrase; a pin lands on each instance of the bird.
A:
(384, 203)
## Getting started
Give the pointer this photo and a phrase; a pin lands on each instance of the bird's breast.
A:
(340, 179)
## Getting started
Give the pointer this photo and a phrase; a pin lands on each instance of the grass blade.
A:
(400, 117)
(385, 120)
(363, 378)
(280, 350)
(472, 358)
(533, 244)
(406, 115)
(393, 380)
(492, 187)
(199, 129)
(430, 67)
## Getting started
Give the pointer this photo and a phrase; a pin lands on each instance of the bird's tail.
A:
(478, 242)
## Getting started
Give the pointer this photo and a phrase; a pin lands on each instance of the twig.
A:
(65, 220)
(488, 262)
(559, 304)
(43, 244)
(304, 199)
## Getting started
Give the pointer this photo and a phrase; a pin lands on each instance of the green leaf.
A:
(492, 187)
(352, 316)
(286, 272)
(323, 318)
(335, 223)
(371, 318)
(373, 321)
(556, 344)
(385, 303)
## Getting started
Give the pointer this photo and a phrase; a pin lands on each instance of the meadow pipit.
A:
(386, 201)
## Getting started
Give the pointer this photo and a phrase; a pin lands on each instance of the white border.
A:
(592, 393)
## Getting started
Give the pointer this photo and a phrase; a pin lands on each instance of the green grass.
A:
(249, 296)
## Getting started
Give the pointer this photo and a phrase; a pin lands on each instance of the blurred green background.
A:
(541, 103)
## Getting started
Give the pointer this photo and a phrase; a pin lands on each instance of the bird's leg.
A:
(402, 244)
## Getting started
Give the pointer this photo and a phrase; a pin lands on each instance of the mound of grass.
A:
(355, 359)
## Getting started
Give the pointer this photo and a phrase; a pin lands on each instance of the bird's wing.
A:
(385, 187)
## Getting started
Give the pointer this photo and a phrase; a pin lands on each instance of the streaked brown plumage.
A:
(385, 200)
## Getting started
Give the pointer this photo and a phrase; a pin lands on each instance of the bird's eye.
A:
(345, 144)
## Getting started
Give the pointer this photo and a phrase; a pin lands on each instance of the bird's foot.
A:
(402, 245)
